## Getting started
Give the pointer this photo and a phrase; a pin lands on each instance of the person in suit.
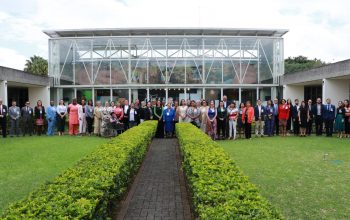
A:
(51, 118)
(247, 118)
(158, 115)
(317, 115)
(311, 118)
(226, 105)
(27, 119)
(259, 115)
(126, 116)
(15, 115)
(39, 115)
(269, 119)
(133, 114)
(3, 119)
(275, 115)
(89, 116)
(295, 117)
(328, 117)
(168, 119)
(221, 120)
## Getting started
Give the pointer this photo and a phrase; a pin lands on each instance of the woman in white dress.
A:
(203, 117)
(182, 111)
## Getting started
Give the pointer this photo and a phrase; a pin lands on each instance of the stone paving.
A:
(158, 191)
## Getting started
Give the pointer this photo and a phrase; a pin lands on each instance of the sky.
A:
(317, 28)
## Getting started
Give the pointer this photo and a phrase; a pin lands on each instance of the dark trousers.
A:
(319, 124)
(3, 126)
(89, 122)
(27, 127)
(221, 127)
(296, 126)
(61, 122)
(277, 125)
(227, 128)
(347, 125)
(309, 127)
(14, 129)
(248, 130)
(329, 127)
(126, 123)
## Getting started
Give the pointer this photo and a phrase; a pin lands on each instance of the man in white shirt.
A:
(126, 116)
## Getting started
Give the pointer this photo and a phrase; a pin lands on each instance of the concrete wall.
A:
(18, 76)
(335, 89)
(39, 93)
(293, 92)
(3, 91)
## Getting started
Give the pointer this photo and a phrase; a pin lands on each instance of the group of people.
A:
(225, 121)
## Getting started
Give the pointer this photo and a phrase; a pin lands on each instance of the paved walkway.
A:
(158, 191)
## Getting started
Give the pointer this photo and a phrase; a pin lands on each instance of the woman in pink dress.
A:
(73, 117)
(119, 113)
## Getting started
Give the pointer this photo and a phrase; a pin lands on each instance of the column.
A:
(166, 95)
(3, 92)
(148, 95)
(293, 92)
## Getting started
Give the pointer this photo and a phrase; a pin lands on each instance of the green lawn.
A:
(292, 173)
(25, 163)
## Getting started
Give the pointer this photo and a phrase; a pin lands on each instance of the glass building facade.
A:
(109, 64)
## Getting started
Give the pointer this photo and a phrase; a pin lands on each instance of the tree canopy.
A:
(36, 65)
(301, 63)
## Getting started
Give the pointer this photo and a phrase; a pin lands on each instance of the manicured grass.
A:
(296, 176)
(27, 162)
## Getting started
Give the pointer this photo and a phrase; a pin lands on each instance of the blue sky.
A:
(317, 28)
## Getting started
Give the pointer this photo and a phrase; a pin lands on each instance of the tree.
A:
(301, 63)
(36, 65)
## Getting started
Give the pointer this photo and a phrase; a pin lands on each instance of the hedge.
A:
(86, 190)
(219, 188)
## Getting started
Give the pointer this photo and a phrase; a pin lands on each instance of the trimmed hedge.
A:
(219, 188)
(86, 191)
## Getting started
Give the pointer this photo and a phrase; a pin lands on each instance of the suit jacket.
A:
(328, 113)
(314, 110)
(227, 104)
(310, 111)
(4, 110)
(262, 114)
(15, 112)
(27, 114)
(295, 112)
(37, 112)
(136, 115)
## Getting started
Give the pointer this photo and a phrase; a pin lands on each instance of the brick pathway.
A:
(158, 191)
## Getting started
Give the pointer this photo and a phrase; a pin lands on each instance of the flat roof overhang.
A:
(165, 31)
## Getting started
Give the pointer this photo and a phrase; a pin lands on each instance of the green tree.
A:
(301, 63)
(36, 65)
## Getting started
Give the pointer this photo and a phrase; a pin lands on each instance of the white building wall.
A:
(3, 92)
(335, 89)
(39, 93)
(293, 92)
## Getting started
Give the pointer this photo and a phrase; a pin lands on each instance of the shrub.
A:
(86, 190)
(219, 188)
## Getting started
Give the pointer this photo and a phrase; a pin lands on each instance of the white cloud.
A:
(11, 58)
(318, 29)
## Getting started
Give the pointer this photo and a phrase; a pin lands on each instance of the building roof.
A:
(165, 31)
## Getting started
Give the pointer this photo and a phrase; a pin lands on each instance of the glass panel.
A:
(120, 95)
(156, 72)
(102, 95)
(140, 94)
(175, 94)
(232, 95)
(66, 62)
(176, 71)
(67, 95)
(84, 94)
(249, 95)
(83, 57)
(194, 71)
(213, 71)
(195, 94)
(119, 72)
(156, 94)
(265, 94)
(139, 71)
(213, 94)
(266, 60)
(230, 72)
(101, 72)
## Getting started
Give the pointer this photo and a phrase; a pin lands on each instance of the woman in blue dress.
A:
(168, 119)
(211, 121)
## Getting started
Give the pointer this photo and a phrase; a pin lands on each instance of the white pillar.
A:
(166, 95)
(335, 89)
(148, 94)
(222, 93)
(203, 93)
(293, 92)
(129, 95)
(3, 92)
(239, 96)
(135, 95)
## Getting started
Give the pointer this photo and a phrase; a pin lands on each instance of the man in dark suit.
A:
(3, 119)
(311, 118)
(226, 105)
(259, 115)
(275, 115)
(317, 114)
(328, 117)
(27, 119)
(126, 115)
(295, 117)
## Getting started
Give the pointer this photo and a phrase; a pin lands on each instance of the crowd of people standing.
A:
(227, 120)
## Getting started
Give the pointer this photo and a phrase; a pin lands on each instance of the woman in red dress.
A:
(283, 115)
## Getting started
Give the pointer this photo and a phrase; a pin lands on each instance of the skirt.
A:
(39, 121)
(339, 123)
